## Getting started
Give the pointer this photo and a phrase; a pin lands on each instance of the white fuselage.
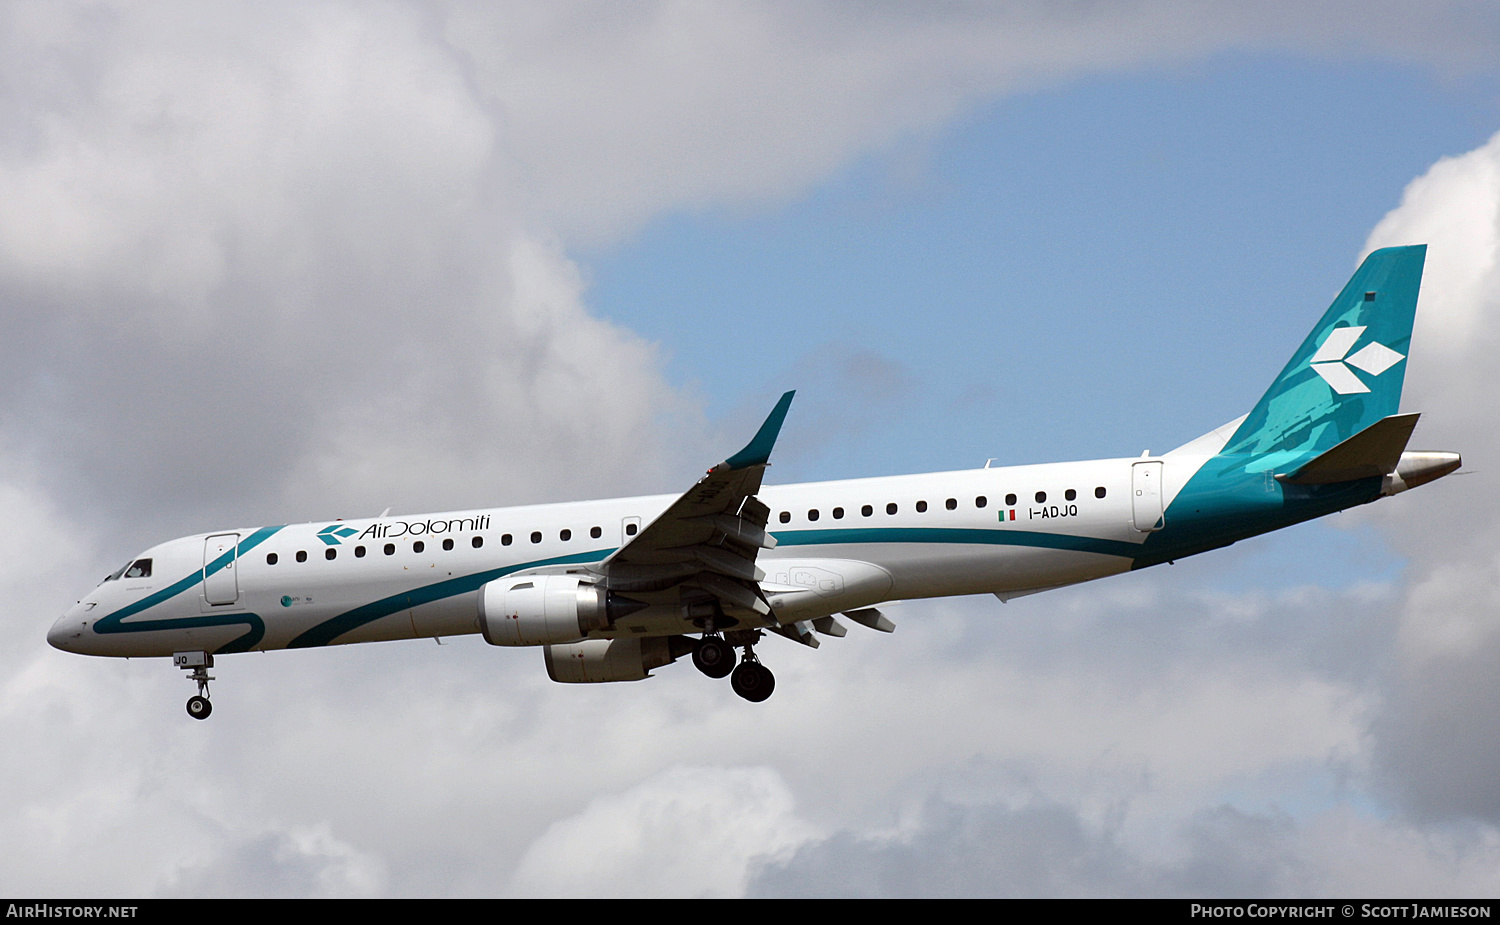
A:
(841, 545)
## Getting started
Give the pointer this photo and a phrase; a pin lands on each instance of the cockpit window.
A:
(139, 568)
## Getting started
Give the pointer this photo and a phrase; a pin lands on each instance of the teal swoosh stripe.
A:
(957, 535)
(113, 623)
(324, 633)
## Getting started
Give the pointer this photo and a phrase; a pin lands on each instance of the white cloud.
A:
(259, 262)
(293, 863)
(688, 831)
(1439, 736)
(288, 242)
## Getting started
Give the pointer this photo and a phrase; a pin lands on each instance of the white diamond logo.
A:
(1332, 361)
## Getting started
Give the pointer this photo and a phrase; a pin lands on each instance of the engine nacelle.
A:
(625, 659)
(538, 610)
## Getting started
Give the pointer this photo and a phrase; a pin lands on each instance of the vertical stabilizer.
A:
(1347, 374)
(1324, 437)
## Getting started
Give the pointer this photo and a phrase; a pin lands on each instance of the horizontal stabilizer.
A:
(1371, 453)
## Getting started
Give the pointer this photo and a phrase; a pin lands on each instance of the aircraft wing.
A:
(702, 548)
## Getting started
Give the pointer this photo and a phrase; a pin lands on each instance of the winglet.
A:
(758, 451)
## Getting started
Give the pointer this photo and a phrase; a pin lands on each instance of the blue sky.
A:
(1062, 274)
(272, 266)
(1114, 265)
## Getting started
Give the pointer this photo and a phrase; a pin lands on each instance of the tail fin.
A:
(1347, 375)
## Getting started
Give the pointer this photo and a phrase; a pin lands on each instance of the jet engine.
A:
(624, 659)
(539, 610)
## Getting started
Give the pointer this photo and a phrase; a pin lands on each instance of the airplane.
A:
(613, 590)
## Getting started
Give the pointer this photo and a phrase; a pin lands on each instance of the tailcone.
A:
(1418, 469)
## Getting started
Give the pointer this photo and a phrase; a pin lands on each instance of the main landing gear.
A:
(198, 662)
(714, 656)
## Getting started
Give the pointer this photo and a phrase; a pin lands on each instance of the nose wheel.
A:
(199, 707)
(198, 664)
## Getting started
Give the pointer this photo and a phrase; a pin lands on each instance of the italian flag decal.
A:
(1007, 515)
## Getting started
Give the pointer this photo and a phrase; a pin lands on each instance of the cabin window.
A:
(330, 554)
(1070, 495)
(536, 536)
(890, 508)
(447, 544)
(786, 517)
(951, 504)
(921, 507)
(867, 510)
(477, 542)
(301, 555)
(418, 546)
(359, 552)
(565, 535)
(981, 501)
(1099, 492)
(1041, 497)
(838, 513)
(596, 532)
(271, 558)
(1010, 500)
(504, 539)
(812, 514)
(390, 549)
(630, 529)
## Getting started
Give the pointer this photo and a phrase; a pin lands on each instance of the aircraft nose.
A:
(67, 633)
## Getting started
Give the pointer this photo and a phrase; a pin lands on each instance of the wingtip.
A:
(758, 451)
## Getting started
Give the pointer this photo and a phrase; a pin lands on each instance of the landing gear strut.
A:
(198, 662)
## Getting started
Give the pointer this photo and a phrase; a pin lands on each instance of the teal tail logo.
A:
(1347, 373)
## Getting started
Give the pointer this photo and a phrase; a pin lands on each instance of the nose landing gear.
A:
(198, 662)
